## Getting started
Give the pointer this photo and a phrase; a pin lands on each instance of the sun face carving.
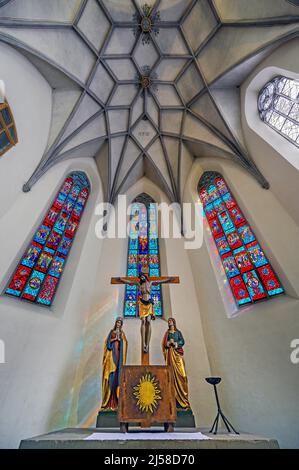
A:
(147, 393)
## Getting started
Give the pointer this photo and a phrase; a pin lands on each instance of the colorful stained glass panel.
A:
(44, 261)
(18, 281)
(154, 272)
(257, 255)
(225, 221)
(31, 256)
(36, 278)
(229, 200)
(154, 261)
(61, 222)
(71, 227)
(156, 294)
(230, 266)
(250, 275)
(213, 193)
(51, 217)
(48, 291)
(240, 290)
(33, 286)
(219, 206)
(270, 281)
(246, 234)
(222, 245)
(204, 196)
(153, 245)
(254, 286)
(42, 235)
(65, 246)
(60, 200)
(131, 301)
(54, 240)
(216, 228)
(57, 267)
(233, 239)
(221, 186)
(132, 260)
(211, 212)
(143, 252)
(237, 216)
(133, 244)
(242, 260)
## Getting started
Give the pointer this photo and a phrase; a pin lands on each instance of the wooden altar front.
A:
(147, 397)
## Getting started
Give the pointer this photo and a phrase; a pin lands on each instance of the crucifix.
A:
(145, 303)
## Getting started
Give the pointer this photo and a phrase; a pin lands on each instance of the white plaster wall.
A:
(251, 352)
(30, 98)
(272, 160)
(42, 346)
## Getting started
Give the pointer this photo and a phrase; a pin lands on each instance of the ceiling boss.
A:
(146, 23)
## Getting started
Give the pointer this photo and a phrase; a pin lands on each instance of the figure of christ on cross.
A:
(145, 303)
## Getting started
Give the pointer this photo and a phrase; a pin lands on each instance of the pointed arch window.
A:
(278, 105)
(143, 250)
(249, 273)
(8, 131)
(38, 274)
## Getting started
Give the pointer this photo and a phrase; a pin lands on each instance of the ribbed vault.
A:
(145, 89)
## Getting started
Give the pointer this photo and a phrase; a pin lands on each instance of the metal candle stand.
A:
(215, 381)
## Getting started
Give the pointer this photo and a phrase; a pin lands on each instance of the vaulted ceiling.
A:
(144, 89)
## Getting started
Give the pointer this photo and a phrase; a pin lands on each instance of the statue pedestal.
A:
(107, 419)
(185, 419)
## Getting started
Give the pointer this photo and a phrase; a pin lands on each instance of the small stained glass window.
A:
(39, 272)
(294, 2)
(143, 251)
(8, 132)
(247, 268)
(278, 105)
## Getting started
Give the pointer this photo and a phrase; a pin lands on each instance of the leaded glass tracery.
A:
(143, 251)
(249, 273)
(8, 131)
(278, 105)
(38, 274)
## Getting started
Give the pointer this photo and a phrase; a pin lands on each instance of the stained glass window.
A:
(278, 105)
(249, 273)
(8, 132)
(143, 250)
(38, 274)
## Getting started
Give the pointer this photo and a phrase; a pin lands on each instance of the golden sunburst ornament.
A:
(147, 393)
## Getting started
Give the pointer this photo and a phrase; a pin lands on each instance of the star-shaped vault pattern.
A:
(196, 54)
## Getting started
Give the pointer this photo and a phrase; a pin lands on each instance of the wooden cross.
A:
(155, 280)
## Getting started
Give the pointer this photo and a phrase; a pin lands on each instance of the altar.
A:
(94, 438)
(147, 397)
